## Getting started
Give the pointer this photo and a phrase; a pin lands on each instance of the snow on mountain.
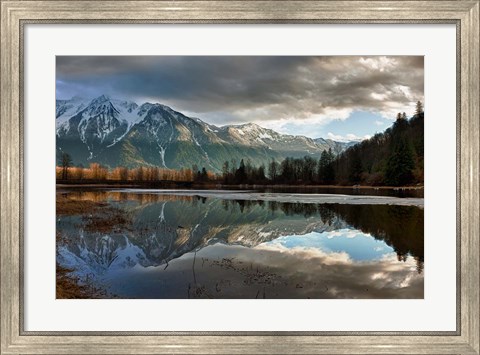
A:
(102, 108)
(67, 108)
(120, 132)
(254, 135)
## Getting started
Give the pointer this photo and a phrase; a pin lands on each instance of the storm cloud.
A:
(272, 90)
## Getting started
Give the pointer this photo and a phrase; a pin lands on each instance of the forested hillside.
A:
(394, 157)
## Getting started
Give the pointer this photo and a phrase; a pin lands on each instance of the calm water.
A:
(371, 191)
(159, 245)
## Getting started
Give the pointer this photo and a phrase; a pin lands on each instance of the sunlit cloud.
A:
(346, 278)
(328, 258)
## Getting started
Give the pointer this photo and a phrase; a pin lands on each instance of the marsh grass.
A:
(69, 286)
(67, 206)
(97, 216)
(107, 220)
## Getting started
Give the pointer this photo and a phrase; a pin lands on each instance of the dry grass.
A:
(68, 286)
(97, 216)
(68, 207)
(107, 220)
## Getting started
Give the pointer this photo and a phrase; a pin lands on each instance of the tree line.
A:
(96, 172)
(306, 170)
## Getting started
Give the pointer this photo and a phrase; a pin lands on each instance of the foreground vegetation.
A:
(68, 285)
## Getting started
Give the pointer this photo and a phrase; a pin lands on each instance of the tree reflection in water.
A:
(400, 227)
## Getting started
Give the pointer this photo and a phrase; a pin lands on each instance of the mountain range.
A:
(121, 133)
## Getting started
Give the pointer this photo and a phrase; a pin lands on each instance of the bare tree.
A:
(65, 163)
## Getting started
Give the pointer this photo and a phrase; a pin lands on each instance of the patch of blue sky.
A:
(359, 123)
(358, 245)
(358, 126)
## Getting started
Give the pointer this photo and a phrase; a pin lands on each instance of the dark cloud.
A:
(235, 89)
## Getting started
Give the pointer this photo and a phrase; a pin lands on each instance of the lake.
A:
(128, 243)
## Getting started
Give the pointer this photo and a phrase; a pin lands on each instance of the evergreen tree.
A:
(225, 172)
(418, 108)
(233, 167)
(287, 172)
(273, 170)
(260, 175)
(204, 175)
(309, 166)
(322, 167)
(400, 164)
(355, 168)
(326, 173)
(329, 171)
(249, 171)
(241, 174)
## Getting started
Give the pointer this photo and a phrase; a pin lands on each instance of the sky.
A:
(339, 97)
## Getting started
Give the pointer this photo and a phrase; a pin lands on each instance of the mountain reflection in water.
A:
(168, 246)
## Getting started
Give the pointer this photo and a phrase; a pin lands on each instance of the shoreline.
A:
(316, 198)
(236, 187)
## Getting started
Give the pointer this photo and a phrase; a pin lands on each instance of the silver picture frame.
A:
(16, 14)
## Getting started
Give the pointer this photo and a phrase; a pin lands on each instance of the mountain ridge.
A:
(116, 132)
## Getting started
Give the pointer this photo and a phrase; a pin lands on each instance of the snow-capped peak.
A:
(102, 98)
(102, 105)
(250, 125)
(101, 123)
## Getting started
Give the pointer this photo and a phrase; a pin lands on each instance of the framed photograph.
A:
(240, 177)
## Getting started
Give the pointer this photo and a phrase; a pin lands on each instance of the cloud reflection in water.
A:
(356, 244)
